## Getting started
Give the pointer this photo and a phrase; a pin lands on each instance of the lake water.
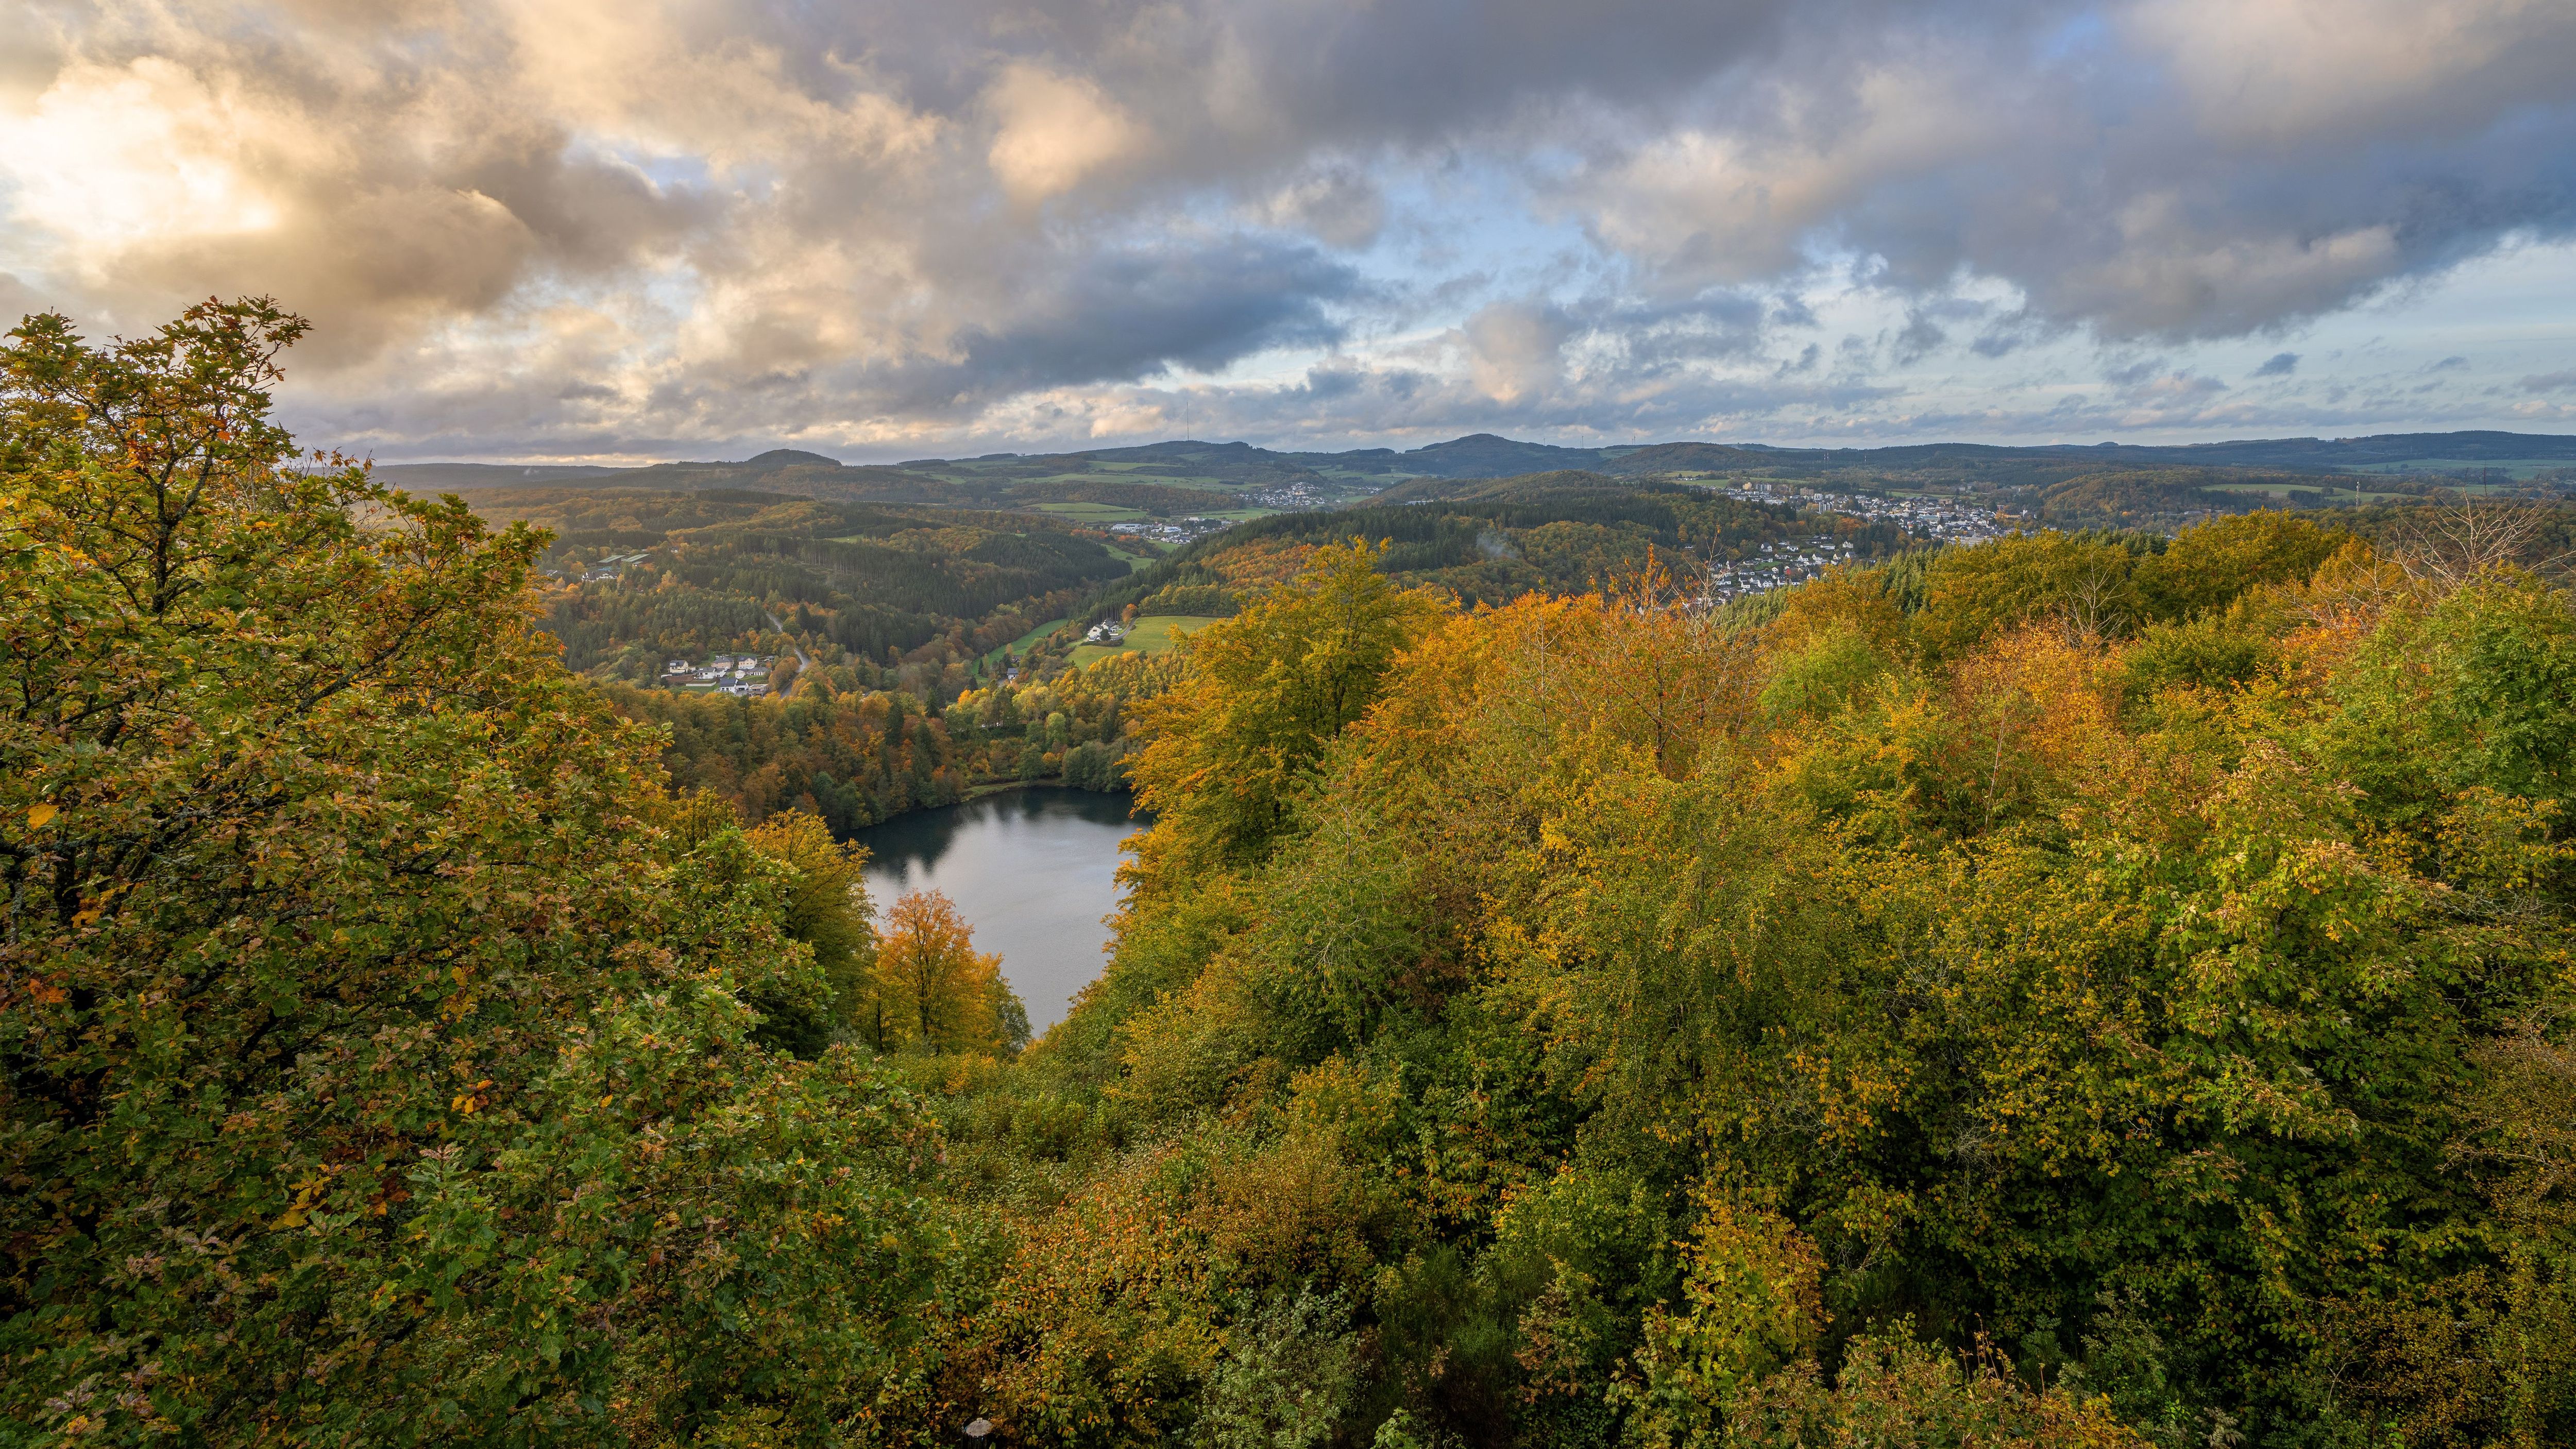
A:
(1032, 870)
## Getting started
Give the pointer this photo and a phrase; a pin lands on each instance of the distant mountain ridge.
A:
(1488, 455)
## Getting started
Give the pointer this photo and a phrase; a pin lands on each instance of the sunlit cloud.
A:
(577, 228)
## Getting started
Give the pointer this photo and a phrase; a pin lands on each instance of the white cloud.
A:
(1515, 350)
(595, 225)
(1054, 131)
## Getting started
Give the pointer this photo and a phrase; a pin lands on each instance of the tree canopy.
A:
(383, 1062)
(2084, 989)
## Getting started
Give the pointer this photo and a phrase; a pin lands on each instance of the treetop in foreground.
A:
(385, 1053)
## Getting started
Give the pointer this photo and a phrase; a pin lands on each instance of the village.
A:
(1297, 494)
(743, 675)
(1945, 520)
(1186, 530)
(1777, 566)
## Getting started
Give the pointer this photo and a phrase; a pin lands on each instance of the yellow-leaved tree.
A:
(933, 990)
(827, 908)
(1265, 693)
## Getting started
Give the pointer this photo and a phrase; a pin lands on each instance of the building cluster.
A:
(1108, 631)
(1185, 530)
(1287, 496)
(606, 569)
(745, 675)
(1949, 520)
(1777, 566)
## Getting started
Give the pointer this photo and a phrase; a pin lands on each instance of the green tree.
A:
(1266, 691)
(827, 909)
(1975, 593)
(380, 1061)
(2209, 564)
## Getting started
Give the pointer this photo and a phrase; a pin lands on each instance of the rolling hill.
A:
(1174, 479)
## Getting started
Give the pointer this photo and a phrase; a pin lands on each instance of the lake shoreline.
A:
(1033, 871)
(987, 789)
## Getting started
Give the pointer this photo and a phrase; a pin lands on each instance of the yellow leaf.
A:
(41, 814)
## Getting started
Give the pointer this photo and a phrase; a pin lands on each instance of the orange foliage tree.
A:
(932, 988)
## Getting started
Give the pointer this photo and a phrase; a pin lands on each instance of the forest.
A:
(872, 582)
(868, 733)
(855, 758)
(2052, 992)
(1493, 540)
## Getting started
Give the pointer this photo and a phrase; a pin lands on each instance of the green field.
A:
(1152, 635)
(1022, 643)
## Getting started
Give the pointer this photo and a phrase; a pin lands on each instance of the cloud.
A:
(2274, 72)
(1515, 350)
(637, 224)
(1336, 203)
(2133, 190)
(2279, 364)
(1054, 131)
(2550, 382)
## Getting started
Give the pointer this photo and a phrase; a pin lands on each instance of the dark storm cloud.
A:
(1125, 315)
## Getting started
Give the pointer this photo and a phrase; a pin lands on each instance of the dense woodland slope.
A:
(860, 737)
(901, 595)
(873, 583)
(2062, 991)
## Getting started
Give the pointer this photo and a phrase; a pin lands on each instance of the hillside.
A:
(652, 575)
(1494, 540)
(1239, 468)
(2083, 989)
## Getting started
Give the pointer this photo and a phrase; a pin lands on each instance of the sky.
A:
(628, 230)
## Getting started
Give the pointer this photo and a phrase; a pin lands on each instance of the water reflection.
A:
(1033, 871)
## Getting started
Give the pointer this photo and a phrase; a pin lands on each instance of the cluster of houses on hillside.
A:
(1292, 495)
(1108, 631)
(746, 675)
(1950, 520)
(1777, 566)
(1186, 530)
(601, 571)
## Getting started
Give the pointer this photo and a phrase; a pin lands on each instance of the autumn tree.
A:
(827, 908)
(383, 1056)
(2036, 1008)
(1265, 692)
(2083, 583)
(933, 989)
(2210, 563)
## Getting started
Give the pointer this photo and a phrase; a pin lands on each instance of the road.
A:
(802, 661)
